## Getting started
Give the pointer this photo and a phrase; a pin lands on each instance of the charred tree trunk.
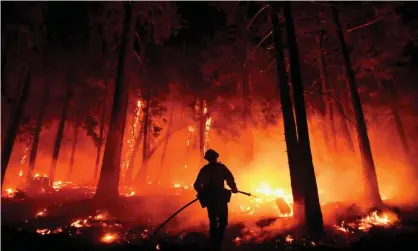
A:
(288, 116)
(38, 129)
(313, 213)
(102, 123)
(61, 127)
(108, 185)
(330, 138)
(14, 126)
(170, 123)
(73, 149)
(142, 175)
(371, 186)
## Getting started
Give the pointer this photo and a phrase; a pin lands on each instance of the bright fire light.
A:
(109, 238)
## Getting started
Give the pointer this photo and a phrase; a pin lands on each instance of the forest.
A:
(107, 110)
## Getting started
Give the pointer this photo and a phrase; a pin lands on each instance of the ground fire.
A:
(139, 125)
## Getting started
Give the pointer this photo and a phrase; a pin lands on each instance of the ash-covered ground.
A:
(71, 220)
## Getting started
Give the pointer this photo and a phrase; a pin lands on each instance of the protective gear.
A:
(213, 195)
(211, 155)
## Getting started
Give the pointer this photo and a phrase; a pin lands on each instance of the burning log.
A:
(39, 185)
(283, 206)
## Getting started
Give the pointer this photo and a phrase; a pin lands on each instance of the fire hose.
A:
(181, 209)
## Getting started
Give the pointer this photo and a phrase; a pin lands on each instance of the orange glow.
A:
(133, 132)
(109, 238)
(41, 213)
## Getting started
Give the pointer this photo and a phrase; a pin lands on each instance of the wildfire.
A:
(109, 238)
(133, 132)
(364, 224)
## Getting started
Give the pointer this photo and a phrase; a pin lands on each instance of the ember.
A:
(109, 238)
(41, 213)
(80, 224)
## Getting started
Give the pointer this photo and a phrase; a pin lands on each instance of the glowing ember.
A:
(109, 238)
(132, 193)
(144, 234)
(237, 241)
(289, 239)
(43, 231)
(41, 213)
(80, 224)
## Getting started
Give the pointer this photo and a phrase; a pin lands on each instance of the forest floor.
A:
(70, 220)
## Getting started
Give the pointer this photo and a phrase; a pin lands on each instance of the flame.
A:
(43, 231)
(80, 223)
(190, 135)
(41, 213)
(266, 195)
(10, 192)
(366, 223)
(207, 129)
(109, 238)
(132, 136)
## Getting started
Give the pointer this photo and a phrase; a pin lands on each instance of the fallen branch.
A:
(364, 25)
(256, 15)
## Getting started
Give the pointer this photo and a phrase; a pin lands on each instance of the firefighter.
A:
(213, 195)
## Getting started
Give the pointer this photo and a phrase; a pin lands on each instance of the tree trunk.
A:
(102, 123)
(399, 124)
(371, 186)
(288, 117)
(74, 147)
(247, 116)
(61, 127)
(202, 128)
(343, 120)
(14, 126)
(131, 166)
(313, 213)
(143, 171)
(108, 185)
(166, 139)
(330, 138)
(38, 129)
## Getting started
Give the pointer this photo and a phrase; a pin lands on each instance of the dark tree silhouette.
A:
(371, 187)
(108, 186)
(13, 128)
(61, 127)
(38, 129)
(313, 212)
(292, 147)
